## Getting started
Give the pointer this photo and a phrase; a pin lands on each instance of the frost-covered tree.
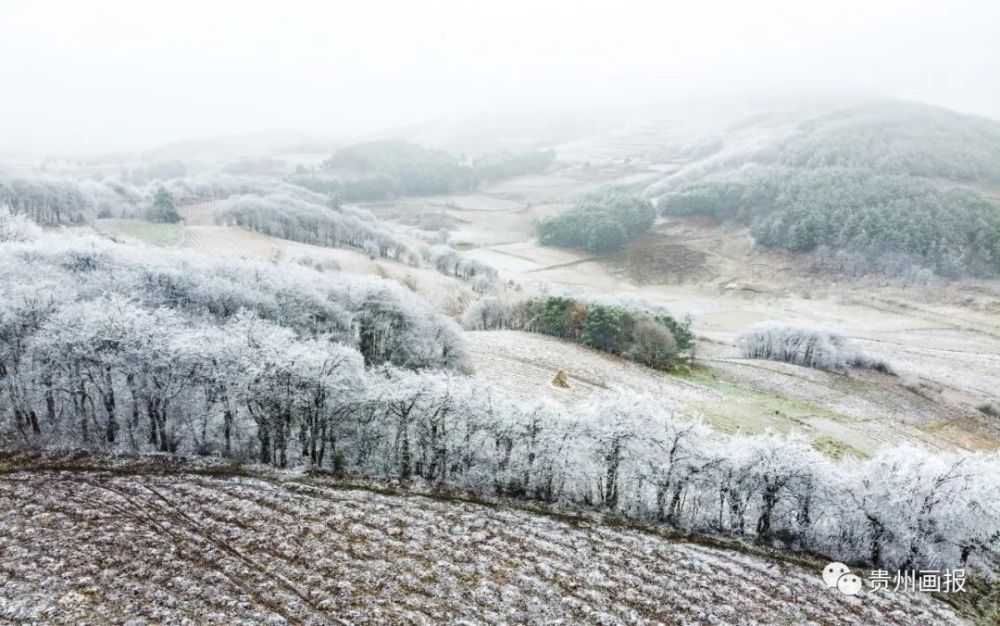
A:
(449, 261)
(50, 201)
(820, 349)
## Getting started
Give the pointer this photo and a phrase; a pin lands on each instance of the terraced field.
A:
(199, 214)
(230, 241)
(128, 547)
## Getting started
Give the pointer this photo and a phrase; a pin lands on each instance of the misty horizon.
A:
(131, 78)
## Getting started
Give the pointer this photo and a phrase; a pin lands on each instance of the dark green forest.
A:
(597, 222)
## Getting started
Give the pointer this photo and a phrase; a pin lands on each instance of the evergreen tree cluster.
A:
(652, 338)
(164, 210)
(951, 230)
(367, 189)
(598, 222)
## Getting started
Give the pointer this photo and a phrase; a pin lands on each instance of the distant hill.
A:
(268, 142)
(900, 138)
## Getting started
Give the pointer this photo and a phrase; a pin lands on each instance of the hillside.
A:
(900, 138)
(900, 186)
(856, 414)
(280, 326)
(186, 544)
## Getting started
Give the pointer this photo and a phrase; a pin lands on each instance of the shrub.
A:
(653, 344)
(17, 228)
(988, 409)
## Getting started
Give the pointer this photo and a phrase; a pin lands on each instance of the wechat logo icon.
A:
(839, 575)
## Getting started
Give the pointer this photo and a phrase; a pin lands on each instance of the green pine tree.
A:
(164, 209)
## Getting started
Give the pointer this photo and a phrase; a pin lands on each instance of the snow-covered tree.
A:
(820, 349)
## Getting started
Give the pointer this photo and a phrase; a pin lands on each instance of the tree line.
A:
(337, 225)
(110, 374)
(651, 337)
(109, 347)
(52, 201)
(334, 225)
(395, 167)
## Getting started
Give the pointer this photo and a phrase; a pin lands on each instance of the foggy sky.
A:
(92, 76)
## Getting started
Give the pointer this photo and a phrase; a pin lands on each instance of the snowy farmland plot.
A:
(92, 546)
(711, 367)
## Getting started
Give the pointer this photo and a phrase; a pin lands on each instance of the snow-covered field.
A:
(860, 412)
(129, 547)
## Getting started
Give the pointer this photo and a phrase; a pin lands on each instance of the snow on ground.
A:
(473, 202)
(541, 188)
(447, 294)
(524, 364)
(88, 547)
(229, 241)
(860, 412)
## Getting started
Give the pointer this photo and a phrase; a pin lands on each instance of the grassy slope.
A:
(164, 235)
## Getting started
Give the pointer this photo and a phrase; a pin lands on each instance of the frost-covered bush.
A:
(17, 228)
(820, 349)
